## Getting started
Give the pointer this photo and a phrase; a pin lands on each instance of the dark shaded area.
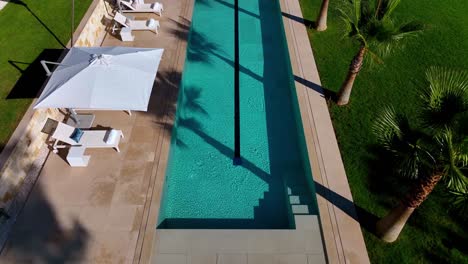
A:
(243, 10)
(308, 23)
(21, 3)
(383, 179)
(38, 237)
(33, 77)
(456, 241)
(237, 155)
(328, 94)
(286, 158)
(213, 223)
(364, 217)
(200, 48)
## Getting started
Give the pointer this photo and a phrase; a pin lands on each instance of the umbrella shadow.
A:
(33, 76)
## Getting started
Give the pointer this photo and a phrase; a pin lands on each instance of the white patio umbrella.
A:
(102, 78)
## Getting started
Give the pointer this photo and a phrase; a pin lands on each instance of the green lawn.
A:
(24, 36)
(434, 234)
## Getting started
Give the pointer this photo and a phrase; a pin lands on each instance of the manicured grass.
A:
(22, 39)
(434, 234)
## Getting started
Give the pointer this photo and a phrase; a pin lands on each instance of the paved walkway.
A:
(99, 214)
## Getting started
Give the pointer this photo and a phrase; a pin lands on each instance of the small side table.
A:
(76, 157)
(126, 34)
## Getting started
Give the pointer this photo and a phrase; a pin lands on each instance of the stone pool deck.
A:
(107, 212)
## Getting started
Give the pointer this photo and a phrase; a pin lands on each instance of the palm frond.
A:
(384, 36)
(444, 97)
(369, 22)
(357, 9)
(348, 25)
(350, 19)
(394, 133)
(385, 8)
(459, 201)
(373, 59)
(454, 161)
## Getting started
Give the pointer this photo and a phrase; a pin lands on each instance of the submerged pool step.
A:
(302, 209)
(300, 199)
(298, 190)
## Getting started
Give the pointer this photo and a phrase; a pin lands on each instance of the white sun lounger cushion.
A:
(121, 19)
(156, 6)
(90, 138)
(112, 137)
(151, 23)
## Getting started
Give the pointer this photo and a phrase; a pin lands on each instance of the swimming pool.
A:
(203, 188)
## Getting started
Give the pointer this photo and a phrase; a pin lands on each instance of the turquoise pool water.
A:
(203, 189)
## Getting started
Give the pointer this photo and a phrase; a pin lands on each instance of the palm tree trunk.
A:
(322, 17)
(354, 68)
(389, 227)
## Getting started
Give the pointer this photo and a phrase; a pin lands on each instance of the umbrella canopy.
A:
(106, 78)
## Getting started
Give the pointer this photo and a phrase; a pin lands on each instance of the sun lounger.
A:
(150, 24)
(90, 138)
(135, 7)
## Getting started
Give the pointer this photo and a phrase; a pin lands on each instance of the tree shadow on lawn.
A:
(21, 3)
(456, 241)
(382, 179)
(33, 77)
(453, 248)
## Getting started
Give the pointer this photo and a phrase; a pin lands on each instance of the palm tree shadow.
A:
(21, 3)
(308, 23)
(199, 48)
(324, 92)
(382, 179)
(365, 218)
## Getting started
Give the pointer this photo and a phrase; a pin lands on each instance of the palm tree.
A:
(322, 17)
(369, 23)
(435, 150)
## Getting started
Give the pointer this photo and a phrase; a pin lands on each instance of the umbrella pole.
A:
(73, 115)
